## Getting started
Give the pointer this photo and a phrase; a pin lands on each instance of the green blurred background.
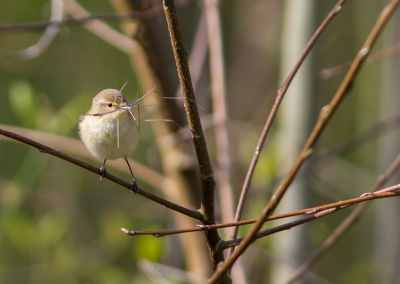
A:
(59, 224)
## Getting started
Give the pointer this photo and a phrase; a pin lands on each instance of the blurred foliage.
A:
(59, 224)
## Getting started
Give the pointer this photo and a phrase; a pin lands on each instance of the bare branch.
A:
(45, 149)
(76, 147)
(325, 114)
(159, 234)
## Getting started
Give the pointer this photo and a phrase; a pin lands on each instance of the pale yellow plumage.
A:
(108, 130)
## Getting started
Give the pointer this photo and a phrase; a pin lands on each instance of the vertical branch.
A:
(206, 172)
(325, 114)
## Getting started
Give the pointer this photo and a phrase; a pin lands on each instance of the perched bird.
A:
(109, 130)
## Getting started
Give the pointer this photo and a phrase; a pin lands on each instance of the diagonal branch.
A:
(45, 149)
(76, 147)
(281, 93)
(325, 114)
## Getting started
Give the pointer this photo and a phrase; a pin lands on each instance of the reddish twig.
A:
(159, 234)
(325, 114)
(281, 93)
(313, 210)
(345, 225)
(45, 149)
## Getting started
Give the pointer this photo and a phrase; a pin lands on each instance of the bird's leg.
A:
(103, 170)
(134, 186)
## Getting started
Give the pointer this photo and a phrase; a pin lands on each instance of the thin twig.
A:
(311, 211)
(38, 26)
(281, 93)
(159, 234)
(206, 171)
(325, 114)
(45, 149)
(344, 226)
(383, 54)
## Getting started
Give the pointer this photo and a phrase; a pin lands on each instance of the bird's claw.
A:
(103, 172)
(134, 188)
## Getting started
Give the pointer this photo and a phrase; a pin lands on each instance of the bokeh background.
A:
(60, 224)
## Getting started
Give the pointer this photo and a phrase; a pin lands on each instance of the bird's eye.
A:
(109, 104)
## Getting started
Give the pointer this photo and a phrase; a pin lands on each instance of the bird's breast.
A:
(110, 136)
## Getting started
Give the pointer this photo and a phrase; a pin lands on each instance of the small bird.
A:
(109, 130)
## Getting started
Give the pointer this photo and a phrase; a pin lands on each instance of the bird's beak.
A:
(126, 107)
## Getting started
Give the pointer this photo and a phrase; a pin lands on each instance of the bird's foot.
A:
(134, 187)
(103, 172)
